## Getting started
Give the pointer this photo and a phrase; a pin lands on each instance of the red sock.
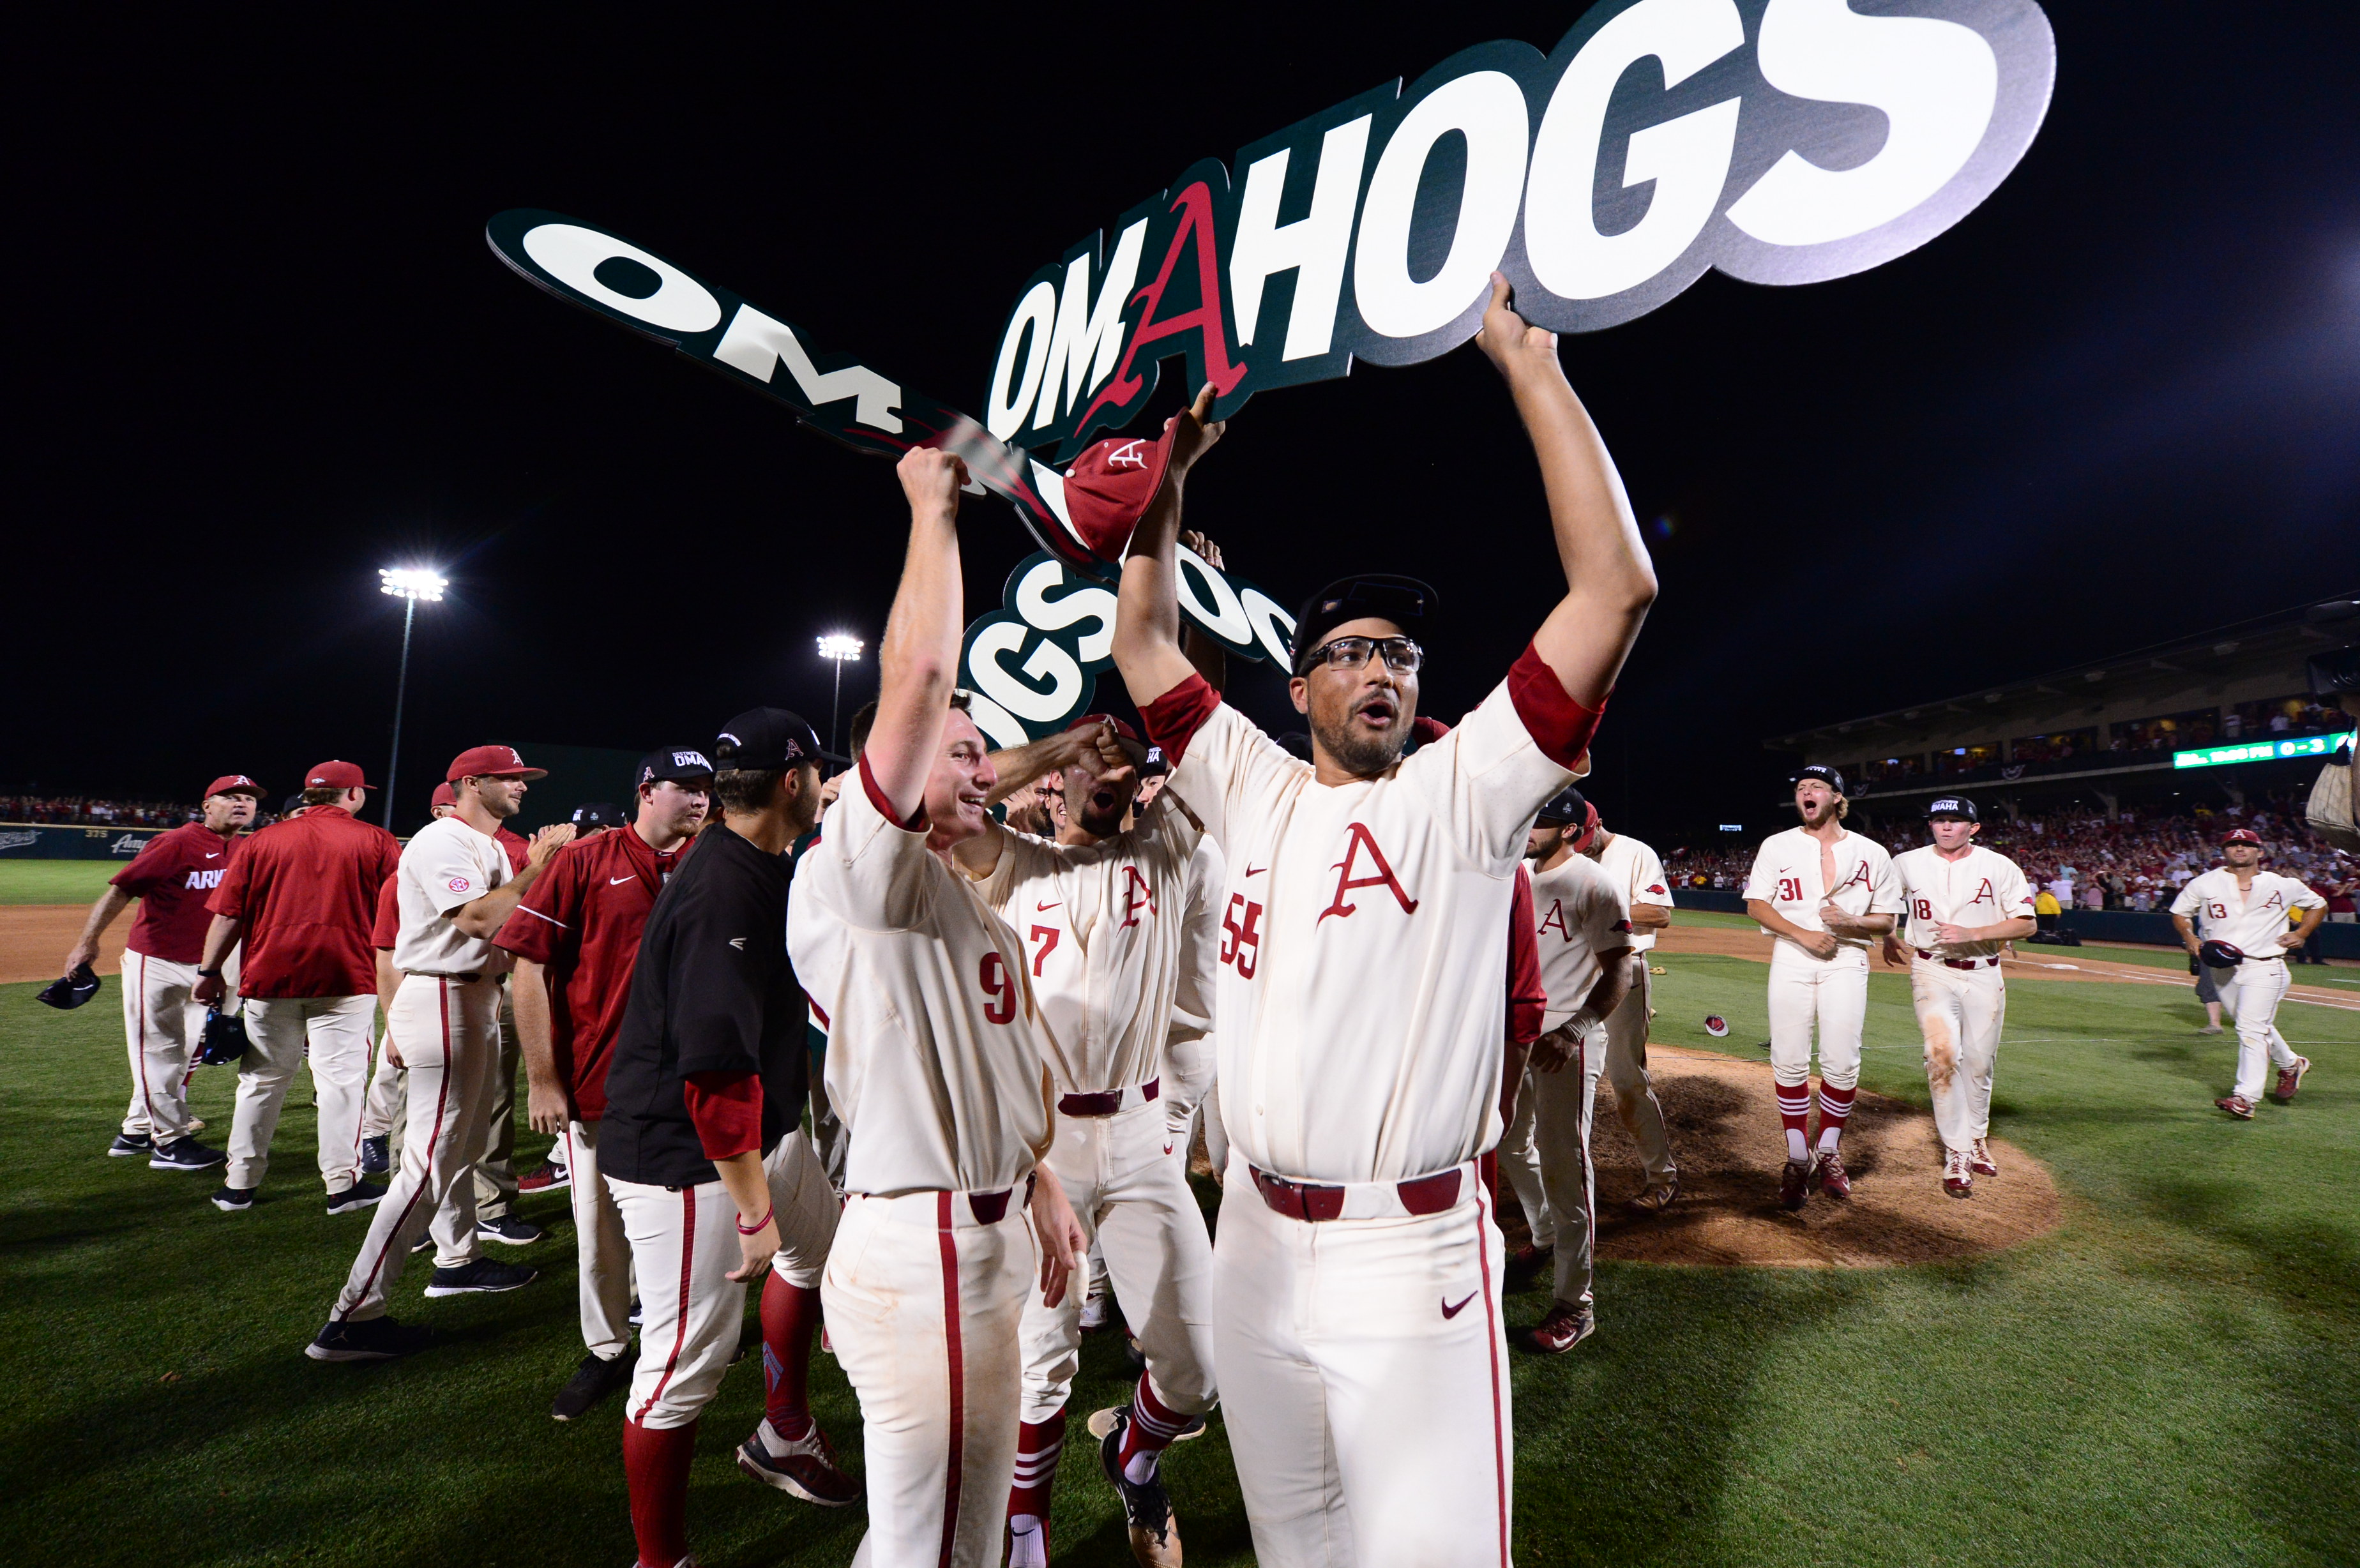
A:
(1794, 1114)
(1038, 1444)
(656, 1462)
(1835, 1105)
(1154, 1426)
(790, 1315)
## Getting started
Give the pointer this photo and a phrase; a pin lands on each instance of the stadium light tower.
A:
(840, 650)
(409, 584)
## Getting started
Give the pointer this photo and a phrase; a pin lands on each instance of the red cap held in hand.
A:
(1108, 490)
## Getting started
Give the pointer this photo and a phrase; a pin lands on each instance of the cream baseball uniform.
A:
(1579, 916)
(937, 1063)
(1960, 999)
(1356, 1266)
(1639, 873)
(445, 1022)
(2254, 921)
(1805, 989)
(1188, 1044)
(1110, 945)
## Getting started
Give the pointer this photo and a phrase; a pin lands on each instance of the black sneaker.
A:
(233, 1199)
(510, 1230)
(592, 1381)
(377, 1339)
(1154, 1533)
(423, 1243)
(359, 1196)
(375, 1159)
(186, 1154)
(482, 1277)
(638, 1312)
(126, 1144)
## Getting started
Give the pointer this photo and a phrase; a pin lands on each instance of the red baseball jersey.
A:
(582, 922)
(172, 876)
(387, 929)
(306, 890)
(515, 844)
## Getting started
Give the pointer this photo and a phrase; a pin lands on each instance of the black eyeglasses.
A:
(1402, 656)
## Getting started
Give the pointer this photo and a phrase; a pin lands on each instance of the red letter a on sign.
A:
(1195, 205)
(1346, 882)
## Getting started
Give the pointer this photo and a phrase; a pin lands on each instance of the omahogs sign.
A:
(1779, 141)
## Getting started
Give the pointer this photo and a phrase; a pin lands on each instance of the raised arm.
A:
(918, 661)
(1610, 583)
(1147, 648)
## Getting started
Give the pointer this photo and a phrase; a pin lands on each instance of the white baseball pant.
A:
(1563, 1104)
(495, 1176)
(1520, 1166)
(925, 1300)
(382, 1109)
(2251, 994)
(1961, 1012)
(160, 1027)
(683, 1243)
(1364, 1370)
(1132, 1200)
(446, 1032)
(336, 1029)
(1834, 996)
(602, 1249)
(1187, 1079)
(1635, 1106)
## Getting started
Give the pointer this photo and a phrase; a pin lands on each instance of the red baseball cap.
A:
(1106, 492)
(444, 796)
(1122, 732)
(491, 762)
(2243, 836)
(336, 776)
(232, 784)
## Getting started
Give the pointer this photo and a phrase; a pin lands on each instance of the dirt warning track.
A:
(34, 939)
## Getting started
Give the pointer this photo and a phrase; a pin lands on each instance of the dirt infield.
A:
(34, 939)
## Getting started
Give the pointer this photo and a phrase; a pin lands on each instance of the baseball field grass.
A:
(55, 881)
(2168, 1379)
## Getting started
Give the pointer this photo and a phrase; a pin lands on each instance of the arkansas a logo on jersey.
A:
(1555, 920)
(1136, 896)
(1984, 893)
(1859, 877)
(1345, 882)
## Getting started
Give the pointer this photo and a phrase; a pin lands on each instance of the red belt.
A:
(1312, 1202)
(1959, 963)
(990, 1208)
(1108, 1102)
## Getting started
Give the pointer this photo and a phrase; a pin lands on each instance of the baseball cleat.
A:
(1958, 1174)
(547, 1177)
(482, 1277)
(640, 1312)
(1565, 1327)
(2290, 1079)
(1794, 1184)
(1146, 1506)
(359, 1196)
(2210, 1029)
(126, 1144)
(1979, 1160)
(233, 1199)
(188, 1154)
(805, 1468)
(375, 1339)
(1656, 1200)
(376, 1156)
(423, 1243)
(597, 1377)
(1525, 1265)
(1102, 1423)
(1830, 1176)
(1094, 1312)
(2236, 1105)
(510, 1231)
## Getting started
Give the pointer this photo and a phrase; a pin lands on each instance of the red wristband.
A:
(756, 1228)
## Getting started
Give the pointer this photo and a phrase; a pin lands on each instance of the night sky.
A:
(263, 351)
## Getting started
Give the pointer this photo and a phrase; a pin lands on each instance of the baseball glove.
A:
(70, 991)
(2221, 954)
(224, 1038)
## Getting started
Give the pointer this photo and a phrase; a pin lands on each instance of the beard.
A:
(1358, 751)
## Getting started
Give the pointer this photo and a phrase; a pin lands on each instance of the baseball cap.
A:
(1566, 806)
(336, 776)
(1133, 745)
(765, 740)
(1108, 489)
(444, 796)
(232, 784)
(1824, 774)
(2242, 836)
(680, 763)
(491, 762)
(1404, 601)
(588, 819)
(70, 991)
(1957, 806)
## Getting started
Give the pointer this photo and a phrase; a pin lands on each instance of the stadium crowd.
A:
(88, 811)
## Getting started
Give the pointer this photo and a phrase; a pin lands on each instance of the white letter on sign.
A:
(572, 254)
(1045, 614)
(1488, 108)
(1936, 82)
(1687, 157)
(1314, 246)
(1004, 415)
(755, 344)
(1081, 329)
(1049, 662)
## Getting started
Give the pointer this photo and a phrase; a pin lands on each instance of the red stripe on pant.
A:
(433, 1141)
(956, 1358)
(139, 1047)
(1492, 1355)
(680, 1320)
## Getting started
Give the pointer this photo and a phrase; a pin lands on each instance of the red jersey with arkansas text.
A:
(581, 921)
(306, 890)
(172, 876)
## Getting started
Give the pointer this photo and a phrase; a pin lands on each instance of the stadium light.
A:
(840, 650)
(409, 584)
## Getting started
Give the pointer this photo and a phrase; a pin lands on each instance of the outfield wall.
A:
(47, 841)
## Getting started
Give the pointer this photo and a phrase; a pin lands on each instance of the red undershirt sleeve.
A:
(914, 822)
(1174, 719)
(1528, 997)
(727, 1108)
(1560, 726)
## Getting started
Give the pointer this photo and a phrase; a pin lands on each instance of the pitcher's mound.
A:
(1724, 1126)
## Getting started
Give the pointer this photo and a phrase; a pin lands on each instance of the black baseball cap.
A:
(1404, 601)
(1957, 806)
(596, 814)
(680, 763)
(766, 739)
(1824, 774)
(1566, 806)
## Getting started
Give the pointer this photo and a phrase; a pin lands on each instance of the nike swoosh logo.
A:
(1167, 1148)
(611, 881)
(739, 942)
(1256, 870)
(1040, 907)
(213, 854)
(1450, 1311)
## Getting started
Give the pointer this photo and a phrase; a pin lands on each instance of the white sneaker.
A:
(1094, 1314)
(1958, 1176)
